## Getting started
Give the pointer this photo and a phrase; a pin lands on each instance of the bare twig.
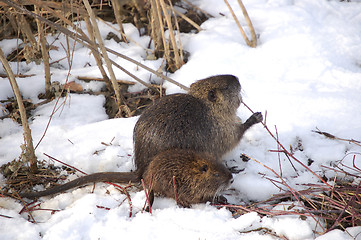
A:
(147, 196)
(124, 191)
(78, 170)
(87, 79)
(18, 75)
(25, 205)
(330, 136)
(278, 153)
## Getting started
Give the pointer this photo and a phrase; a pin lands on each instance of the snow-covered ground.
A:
(305, 72)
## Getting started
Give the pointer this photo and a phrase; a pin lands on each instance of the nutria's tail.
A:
(119, 177)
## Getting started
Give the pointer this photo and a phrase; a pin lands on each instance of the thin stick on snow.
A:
(278, 152)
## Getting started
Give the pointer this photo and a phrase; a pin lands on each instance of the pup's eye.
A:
(212, 96)
(204, 168)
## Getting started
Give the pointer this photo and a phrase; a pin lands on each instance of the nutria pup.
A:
(204, 120)
(198, 177)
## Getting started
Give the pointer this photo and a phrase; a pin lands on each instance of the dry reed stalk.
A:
(29, 154)
(131, 75)
(253, 42)
(96, 54)
(178, 60)
(120, 99)
(158, 14)
(190, 21)
(155, 31)
(249, 23)
(160, 75)
(44, 51)
(18, 75)
(116, 9)
(171, 8)
(8, 14)
(88, 79)
(26, 30)
(140, 6)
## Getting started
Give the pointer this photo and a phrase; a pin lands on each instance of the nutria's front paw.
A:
(258, 117)
(255, 118)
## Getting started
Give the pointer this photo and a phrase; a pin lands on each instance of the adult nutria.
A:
(204, 120)
(198, 177)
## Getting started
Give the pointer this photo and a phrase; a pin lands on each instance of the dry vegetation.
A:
(335, 205)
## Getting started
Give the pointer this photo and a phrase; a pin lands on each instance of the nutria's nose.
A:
(231, 181)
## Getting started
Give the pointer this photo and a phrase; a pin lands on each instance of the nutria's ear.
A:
(212, 95)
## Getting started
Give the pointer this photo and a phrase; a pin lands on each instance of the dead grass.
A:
(19, 178)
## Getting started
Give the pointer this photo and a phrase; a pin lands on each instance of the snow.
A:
(305, 72)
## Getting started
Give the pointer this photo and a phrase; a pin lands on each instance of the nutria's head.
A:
(221, 91)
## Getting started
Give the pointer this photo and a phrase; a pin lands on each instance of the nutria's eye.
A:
(204, 168)
(212, 96)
